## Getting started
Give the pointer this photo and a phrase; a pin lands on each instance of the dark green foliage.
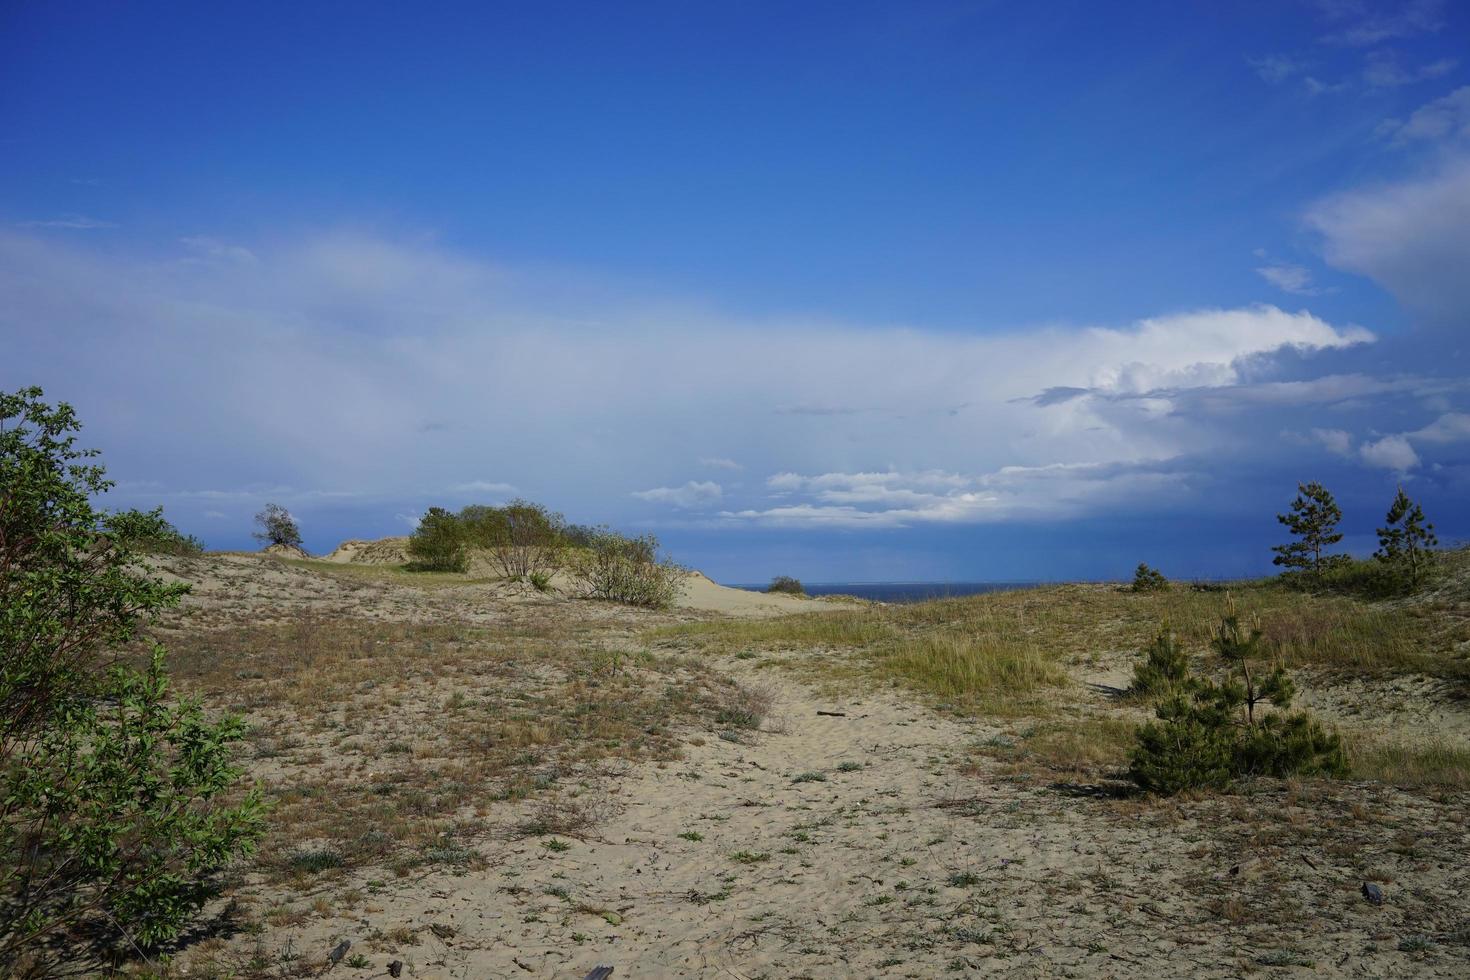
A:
(786, 584)
(439, 543)
(1165, 668)
(1404, 545)
(1147, 579)
(148, 531)
(1313, 519)
(523, 538)
(112, 793)
(1210, 732)
(277, 527)
(624, 569)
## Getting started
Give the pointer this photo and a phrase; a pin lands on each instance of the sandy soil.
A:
(863, 835)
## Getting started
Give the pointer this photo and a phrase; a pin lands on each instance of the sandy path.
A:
(899, 868)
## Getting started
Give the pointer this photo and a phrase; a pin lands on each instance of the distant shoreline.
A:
(902, 591)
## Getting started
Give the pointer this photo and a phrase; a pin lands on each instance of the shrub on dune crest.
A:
(627, 570)
(522, 538)
(438, 543)
(786, 584)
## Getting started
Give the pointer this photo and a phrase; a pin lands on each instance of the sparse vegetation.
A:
(786, 585)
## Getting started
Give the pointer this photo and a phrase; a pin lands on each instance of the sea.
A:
(903, 591)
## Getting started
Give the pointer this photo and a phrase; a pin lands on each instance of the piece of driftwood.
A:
(600, 973)
(395, 969)
(833, 714)
(335, 956)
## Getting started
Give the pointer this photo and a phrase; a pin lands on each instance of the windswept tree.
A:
(114, 793)
(1405, 543)
(1313, 519)
(277, 527)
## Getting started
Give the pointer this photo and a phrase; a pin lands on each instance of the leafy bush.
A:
(113, 813)
(1209, 732)
(148, 531)
(628, 570)
(786, 584)
(438, 543)
(1147, 579)
(523, 538)
(277, 527)
(1165, 668)
(540, 581)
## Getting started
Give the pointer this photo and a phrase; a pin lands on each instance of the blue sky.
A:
(847, 291)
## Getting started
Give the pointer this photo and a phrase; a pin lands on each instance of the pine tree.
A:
(1313, 519)
(1407, 538)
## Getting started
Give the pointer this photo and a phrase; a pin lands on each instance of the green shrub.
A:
(540, 581)
(787, 585)
(148, 531)
(522, 538)
(1210, 732)
(113, 812)
(438, 543)
(1406, 544)
(1165, 668)
(627, 570)
(1147, 579)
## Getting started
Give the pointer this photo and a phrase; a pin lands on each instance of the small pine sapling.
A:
(1313, 519)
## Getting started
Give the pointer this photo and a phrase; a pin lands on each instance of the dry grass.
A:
(1437, 764)
(384, 743)
(1077, 623)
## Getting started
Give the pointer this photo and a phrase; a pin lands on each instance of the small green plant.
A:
(692, 835)
(1209, 733)
(1164, 670)
(810, 777)
(438, 543)
(540, 580)
(358, 961)
(1146, 579)
(787, 585)
(556, 846)
(849, 766)
(749, 857)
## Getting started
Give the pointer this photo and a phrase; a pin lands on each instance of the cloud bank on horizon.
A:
(359, 376)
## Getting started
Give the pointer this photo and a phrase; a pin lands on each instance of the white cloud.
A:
(1274, 68)
(719, 463)
(691, 494)
(358, 362)
(1289, 279)
(1359, 23)
(212, 248)
(71, 222)
(1445, 118)
(1335, 441)
(903, 499)
(1391, 453)
(1449, 427)
(1413, 237)
(1383, 70)
(484, 486)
